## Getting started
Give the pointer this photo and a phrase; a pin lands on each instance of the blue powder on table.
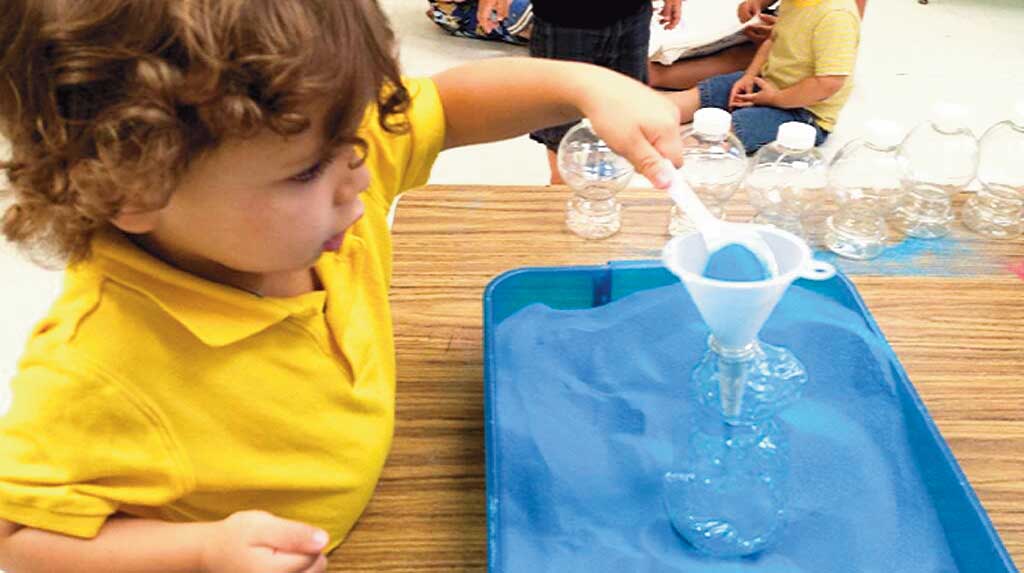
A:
(735, 263)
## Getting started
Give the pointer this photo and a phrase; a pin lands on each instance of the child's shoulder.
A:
(400, 156)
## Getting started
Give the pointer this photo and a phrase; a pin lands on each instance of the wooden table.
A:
(958, 328)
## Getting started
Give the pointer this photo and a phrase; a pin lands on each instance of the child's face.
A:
(258, 211)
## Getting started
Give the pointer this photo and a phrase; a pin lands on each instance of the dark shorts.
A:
(754, 126)
(621, 47)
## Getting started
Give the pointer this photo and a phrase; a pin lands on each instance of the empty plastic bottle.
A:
(866, 179)
(714, 165)
(596, 174)
(942, 158)
(787, 179)
(997, 210)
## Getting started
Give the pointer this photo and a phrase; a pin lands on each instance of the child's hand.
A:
(670, 14)
(758, 33)
(744, 85)
(765, 94)
(259, 541)
(483, 13)
(638, 123)
(748, 9)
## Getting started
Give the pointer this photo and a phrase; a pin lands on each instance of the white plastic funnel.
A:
(735, 311)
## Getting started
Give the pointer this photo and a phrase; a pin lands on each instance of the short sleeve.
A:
(402, 161)
(74, 449)
(836, 38)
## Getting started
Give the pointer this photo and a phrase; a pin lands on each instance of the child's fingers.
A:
(502, 9)
(650, 163)
(288, 536)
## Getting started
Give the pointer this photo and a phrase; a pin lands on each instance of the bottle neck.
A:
(734, 354)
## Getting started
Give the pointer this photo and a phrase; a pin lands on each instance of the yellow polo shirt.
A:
(815, 38)
(154, 393)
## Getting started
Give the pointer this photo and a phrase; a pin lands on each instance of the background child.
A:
(610, 34)
(801, 73)
(214, 390)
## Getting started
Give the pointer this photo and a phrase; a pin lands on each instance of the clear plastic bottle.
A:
(866, 179)
(942, 158)
(714, 165)
(788, 178)
(595, 174)
(997, 210)
(726, 492)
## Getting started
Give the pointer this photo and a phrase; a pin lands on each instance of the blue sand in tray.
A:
(584, 407)
(735, 263)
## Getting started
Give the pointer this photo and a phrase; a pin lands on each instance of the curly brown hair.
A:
(106, 102)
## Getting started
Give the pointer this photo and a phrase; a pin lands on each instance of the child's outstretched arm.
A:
(500, 98)
(246, 541)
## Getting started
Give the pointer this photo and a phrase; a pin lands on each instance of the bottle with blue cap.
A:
(997, 210)
(787, 180)
(866, 180)
(714, 165)
(942, 158)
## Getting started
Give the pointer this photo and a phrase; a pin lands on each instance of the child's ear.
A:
(136, 223)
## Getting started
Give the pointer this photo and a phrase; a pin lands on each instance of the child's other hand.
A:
(748, 9)
(744, 85)
(670, 14)
(638, 123)
(765, 94)
(259, 541)
(483, 13)
(758, 33)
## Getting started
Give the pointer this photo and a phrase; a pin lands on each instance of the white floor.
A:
(967, 51)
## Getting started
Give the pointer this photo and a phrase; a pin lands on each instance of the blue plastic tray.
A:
(575, 416)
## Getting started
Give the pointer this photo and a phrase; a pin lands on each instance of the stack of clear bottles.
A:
(866, 180)
(997, 210)
(942, 158)
(787, 180)
(595, 174)
(714, 164)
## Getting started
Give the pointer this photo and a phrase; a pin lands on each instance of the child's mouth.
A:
(334, 243)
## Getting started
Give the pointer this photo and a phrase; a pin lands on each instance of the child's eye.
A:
(311, 173)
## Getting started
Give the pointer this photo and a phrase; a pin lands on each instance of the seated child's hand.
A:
(744, 85)
(747, 9)
(758, 33)
(765, 94)
(670, 14)
(259, 541)
(638, 123)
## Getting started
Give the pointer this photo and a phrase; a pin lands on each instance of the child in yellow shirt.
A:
(801, 73)
(214, 390)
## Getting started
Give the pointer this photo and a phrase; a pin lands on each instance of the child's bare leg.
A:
(686, 74)
(556, 177)
(688, 103)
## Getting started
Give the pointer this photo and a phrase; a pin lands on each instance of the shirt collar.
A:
(216, 314)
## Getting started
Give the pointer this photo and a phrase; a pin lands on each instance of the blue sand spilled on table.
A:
(735, 263)
(583, 414)
(942, 257)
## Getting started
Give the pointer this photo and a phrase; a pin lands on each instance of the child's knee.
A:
(752, 128)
